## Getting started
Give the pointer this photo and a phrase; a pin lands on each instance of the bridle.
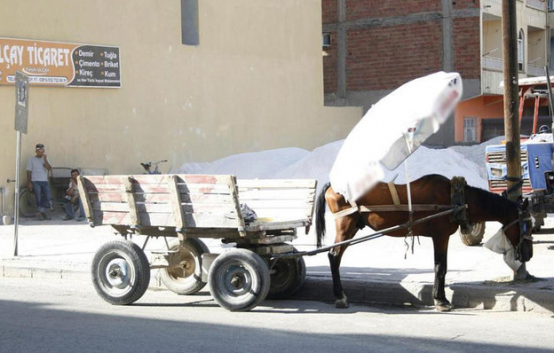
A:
(523, 217)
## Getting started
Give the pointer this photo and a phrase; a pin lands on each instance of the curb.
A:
(43, 273)
(497, 296)
(485, 296)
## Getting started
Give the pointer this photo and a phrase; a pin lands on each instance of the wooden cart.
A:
(185, 208)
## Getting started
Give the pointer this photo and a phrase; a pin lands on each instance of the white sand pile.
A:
(261, 165)
(296, 163)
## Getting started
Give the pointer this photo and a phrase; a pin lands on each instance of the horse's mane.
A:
(492, 203)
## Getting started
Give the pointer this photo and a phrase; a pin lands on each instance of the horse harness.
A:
(457, 200)
(522, 218)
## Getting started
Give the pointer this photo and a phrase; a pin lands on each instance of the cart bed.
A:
(205, 205)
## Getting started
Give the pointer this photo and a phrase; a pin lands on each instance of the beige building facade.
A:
(254, 81)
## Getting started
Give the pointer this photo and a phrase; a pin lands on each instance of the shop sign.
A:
(60, 64)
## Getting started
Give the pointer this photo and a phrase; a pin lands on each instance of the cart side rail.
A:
(279, 203)
(191, 201)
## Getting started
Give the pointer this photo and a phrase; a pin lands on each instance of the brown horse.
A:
(429, 190)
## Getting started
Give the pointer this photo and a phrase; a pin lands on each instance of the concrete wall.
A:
(254, 82)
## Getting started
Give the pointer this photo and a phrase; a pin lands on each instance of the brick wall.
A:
(382, 58)
(386, 57)
(466, 47)
(330, 66)
(465, 4)
(329, 11)
(357, 9)
(330, 16)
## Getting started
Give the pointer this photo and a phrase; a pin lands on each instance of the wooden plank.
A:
(311, 206)
(175, 196)
(273, 249)
(277, 204)
(162, 208)
(166, 219)
(117, 179)
(133, 213)
(277, 183)
(273, 240)
(258, 226)
(162, 189)
(160, 179)
(164, 198)
(276, 194)
(85, 199)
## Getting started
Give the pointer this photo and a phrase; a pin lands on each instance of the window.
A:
(470, 131)
(520, 50)
(189, 22)
(326, 40)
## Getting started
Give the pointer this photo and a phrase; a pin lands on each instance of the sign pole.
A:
(21, 114)
(16, 211)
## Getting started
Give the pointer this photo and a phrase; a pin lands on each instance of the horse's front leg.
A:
(440, 244)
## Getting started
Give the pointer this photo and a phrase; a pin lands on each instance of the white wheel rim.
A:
(116, 274)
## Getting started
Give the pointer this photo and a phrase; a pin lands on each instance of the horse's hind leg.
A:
(346, 229)
(341, 301)
(440, 245)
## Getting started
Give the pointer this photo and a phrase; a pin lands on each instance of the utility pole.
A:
(511, 108)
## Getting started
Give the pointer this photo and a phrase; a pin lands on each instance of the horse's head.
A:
(519, 233)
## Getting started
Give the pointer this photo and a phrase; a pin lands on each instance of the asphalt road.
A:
(45, 315)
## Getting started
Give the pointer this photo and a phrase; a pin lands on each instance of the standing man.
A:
(37, 180)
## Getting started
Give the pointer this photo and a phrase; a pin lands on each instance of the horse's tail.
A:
(320, 214)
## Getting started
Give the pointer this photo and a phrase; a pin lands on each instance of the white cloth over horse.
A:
(378, 140)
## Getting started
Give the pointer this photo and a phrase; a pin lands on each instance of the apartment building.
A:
(482, 117)
(371, 47)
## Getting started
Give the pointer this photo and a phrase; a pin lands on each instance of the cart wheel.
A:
(239, 279)
(475, 236)
(120, 272)
(184, 274)
(287, 277)
(27, 203)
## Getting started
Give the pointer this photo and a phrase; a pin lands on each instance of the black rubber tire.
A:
(239, 280)
(475, 236)
(27, 203)
(185, 278)
(120, 272)
(287, 277)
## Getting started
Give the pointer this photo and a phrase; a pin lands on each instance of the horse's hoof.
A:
(442, 305)
(341, 303)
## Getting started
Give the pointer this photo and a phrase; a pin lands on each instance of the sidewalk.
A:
(372, 272)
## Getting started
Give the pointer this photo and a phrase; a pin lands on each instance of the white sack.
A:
(422, 104)
(500, 244)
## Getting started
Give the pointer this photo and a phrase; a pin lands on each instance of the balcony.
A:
(538, 4)
(533, 70)
(492, 63)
